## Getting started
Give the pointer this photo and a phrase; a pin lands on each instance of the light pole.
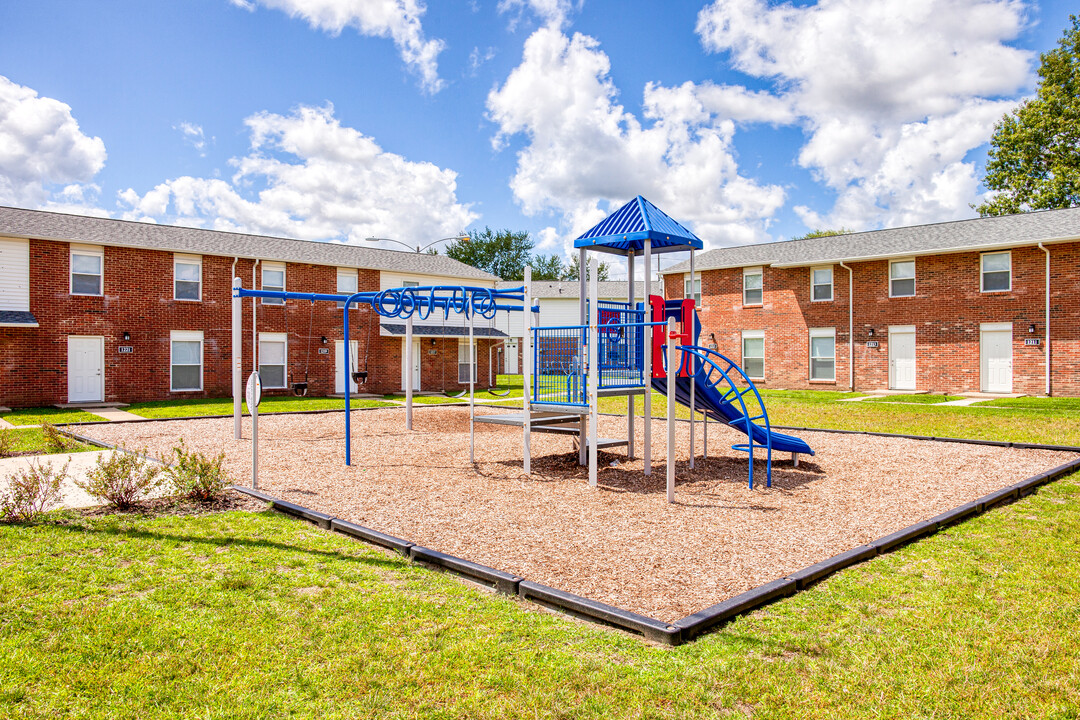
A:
(419, 248)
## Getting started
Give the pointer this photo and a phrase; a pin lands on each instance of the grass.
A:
(37, 416)
(254, 616)
(1036, 403)
(224, 406)
(428, 399)
(32, 440)
(916, 399)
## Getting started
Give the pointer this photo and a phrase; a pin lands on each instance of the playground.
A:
(622, 543)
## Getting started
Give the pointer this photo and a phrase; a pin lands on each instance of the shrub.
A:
(121, 478)
(55, 440)
(32, 491)
(7, 442)
(196, 475)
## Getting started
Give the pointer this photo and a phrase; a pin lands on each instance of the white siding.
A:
(14, 275)
(395, 279)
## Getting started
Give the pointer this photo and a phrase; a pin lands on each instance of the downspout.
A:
(851, 325)
(1047, 320)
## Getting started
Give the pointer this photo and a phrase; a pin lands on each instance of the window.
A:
(273, 349)
(823, 354)
(187, 277)
(821, 284)
(185, 372)
(695, 292)
(753, 353)
(86, 263)
(996, 272)
(273, 278)
(463, 361)
(409, 283)
(751, 286)
(347, 284)
(902, 278)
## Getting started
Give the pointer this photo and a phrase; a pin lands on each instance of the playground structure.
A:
(618, 349)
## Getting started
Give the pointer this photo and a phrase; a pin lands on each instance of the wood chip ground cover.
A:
(621, 544)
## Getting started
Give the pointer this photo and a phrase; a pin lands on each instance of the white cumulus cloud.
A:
(44, 156)
(555, 13)
(892, 94)
(307, 176)
(584, 152)
(398, 20)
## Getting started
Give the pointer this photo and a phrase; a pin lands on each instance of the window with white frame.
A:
(273, 278)
(753, 353)
(821, 288)
(86, 270)
(751, 286)
(410, 283)
(273, 350)
(823, 353)
(187, 277)
(347, 283)
(902, 278)
(463, 361)
(186, 360)
(996, 272)
(695, 291)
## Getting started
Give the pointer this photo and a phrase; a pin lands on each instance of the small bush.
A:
(121, 478)
(197, 476)
(32, 491)
(7, 442)
(55, 440)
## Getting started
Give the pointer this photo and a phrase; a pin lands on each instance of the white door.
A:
(86, 377)
(339, 365)
(416, 364)
(995, 357)
(511, 357)
(902, 358)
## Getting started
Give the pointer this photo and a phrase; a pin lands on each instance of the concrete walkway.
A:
(114, 415)
(81, 464)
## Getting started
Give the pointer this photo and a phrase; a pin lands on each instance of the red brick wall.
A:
(137, 298)
(947, 311)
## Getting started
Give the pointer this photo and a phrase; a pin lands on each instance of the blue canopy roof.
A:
(624, 231)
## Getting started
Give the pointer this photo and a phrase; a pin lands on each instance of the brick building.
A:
(93, 309)
(950, 307)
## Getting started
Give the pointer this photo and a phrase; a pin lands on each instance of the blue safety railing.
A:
(621, 349)
(559, 365)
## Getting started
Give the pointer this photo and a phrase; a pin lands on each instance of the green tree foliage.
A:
(547, 267)
(817, 233)
(1034, 158)
(573, 272)
(504, 253)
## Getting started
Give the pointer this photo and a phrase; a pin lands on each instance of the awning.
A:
(395, 330)
(17, 318)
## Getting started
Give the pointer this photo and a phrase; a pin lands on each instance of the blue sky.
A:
(342, 119)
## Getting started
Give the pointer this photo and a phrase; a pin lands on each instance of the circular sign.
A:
(253, 393)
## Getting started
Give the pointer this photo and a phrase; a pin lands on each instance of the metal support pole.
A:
(647, 348)
(237, 357)
(594, 373)
(472, 386)
(583, 304)
(348, 382)
(408, 372)
(254, 409)
(527, 384)
(631, 336)
(254, 322)
(690, 359)
(672, 379)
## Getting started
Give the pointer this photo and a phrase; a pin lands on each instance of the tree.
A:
(573, 272)
(504, 253)
(1034, 158)
(818, 233)
(547, 267)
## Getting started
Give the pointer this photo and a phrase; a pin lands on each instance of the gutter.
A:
(850, 324)
(1046, 321)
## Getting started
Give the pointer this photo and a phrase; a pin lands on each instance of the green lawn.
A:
(915, 399)
(32, 440)
(224, 406)
(255, 616)
(1036, 403)
(37, 416)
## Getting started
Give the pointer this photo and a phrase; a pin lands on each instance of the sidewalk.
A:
(81, 464)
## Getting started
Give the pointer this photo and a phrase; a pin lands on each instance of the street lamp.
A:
(420, 248)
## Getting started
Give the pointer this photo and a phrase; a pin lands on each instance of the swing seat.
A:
(497, 393)
(299, 388)
(360, 377)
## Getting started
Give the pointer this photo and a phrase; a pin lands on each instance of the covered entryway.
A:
(339, 365)
(86, 369)
(902, 357)
(995, 357)
(416, 364)
(511, 367)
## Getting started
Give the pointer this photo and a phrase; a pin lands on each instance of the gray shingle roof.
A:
(569, 288)
(45, 225)
(17, 317)
(976, 234)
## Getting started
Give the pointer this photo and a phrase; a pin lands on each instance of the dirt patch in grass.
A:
(178, 506)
